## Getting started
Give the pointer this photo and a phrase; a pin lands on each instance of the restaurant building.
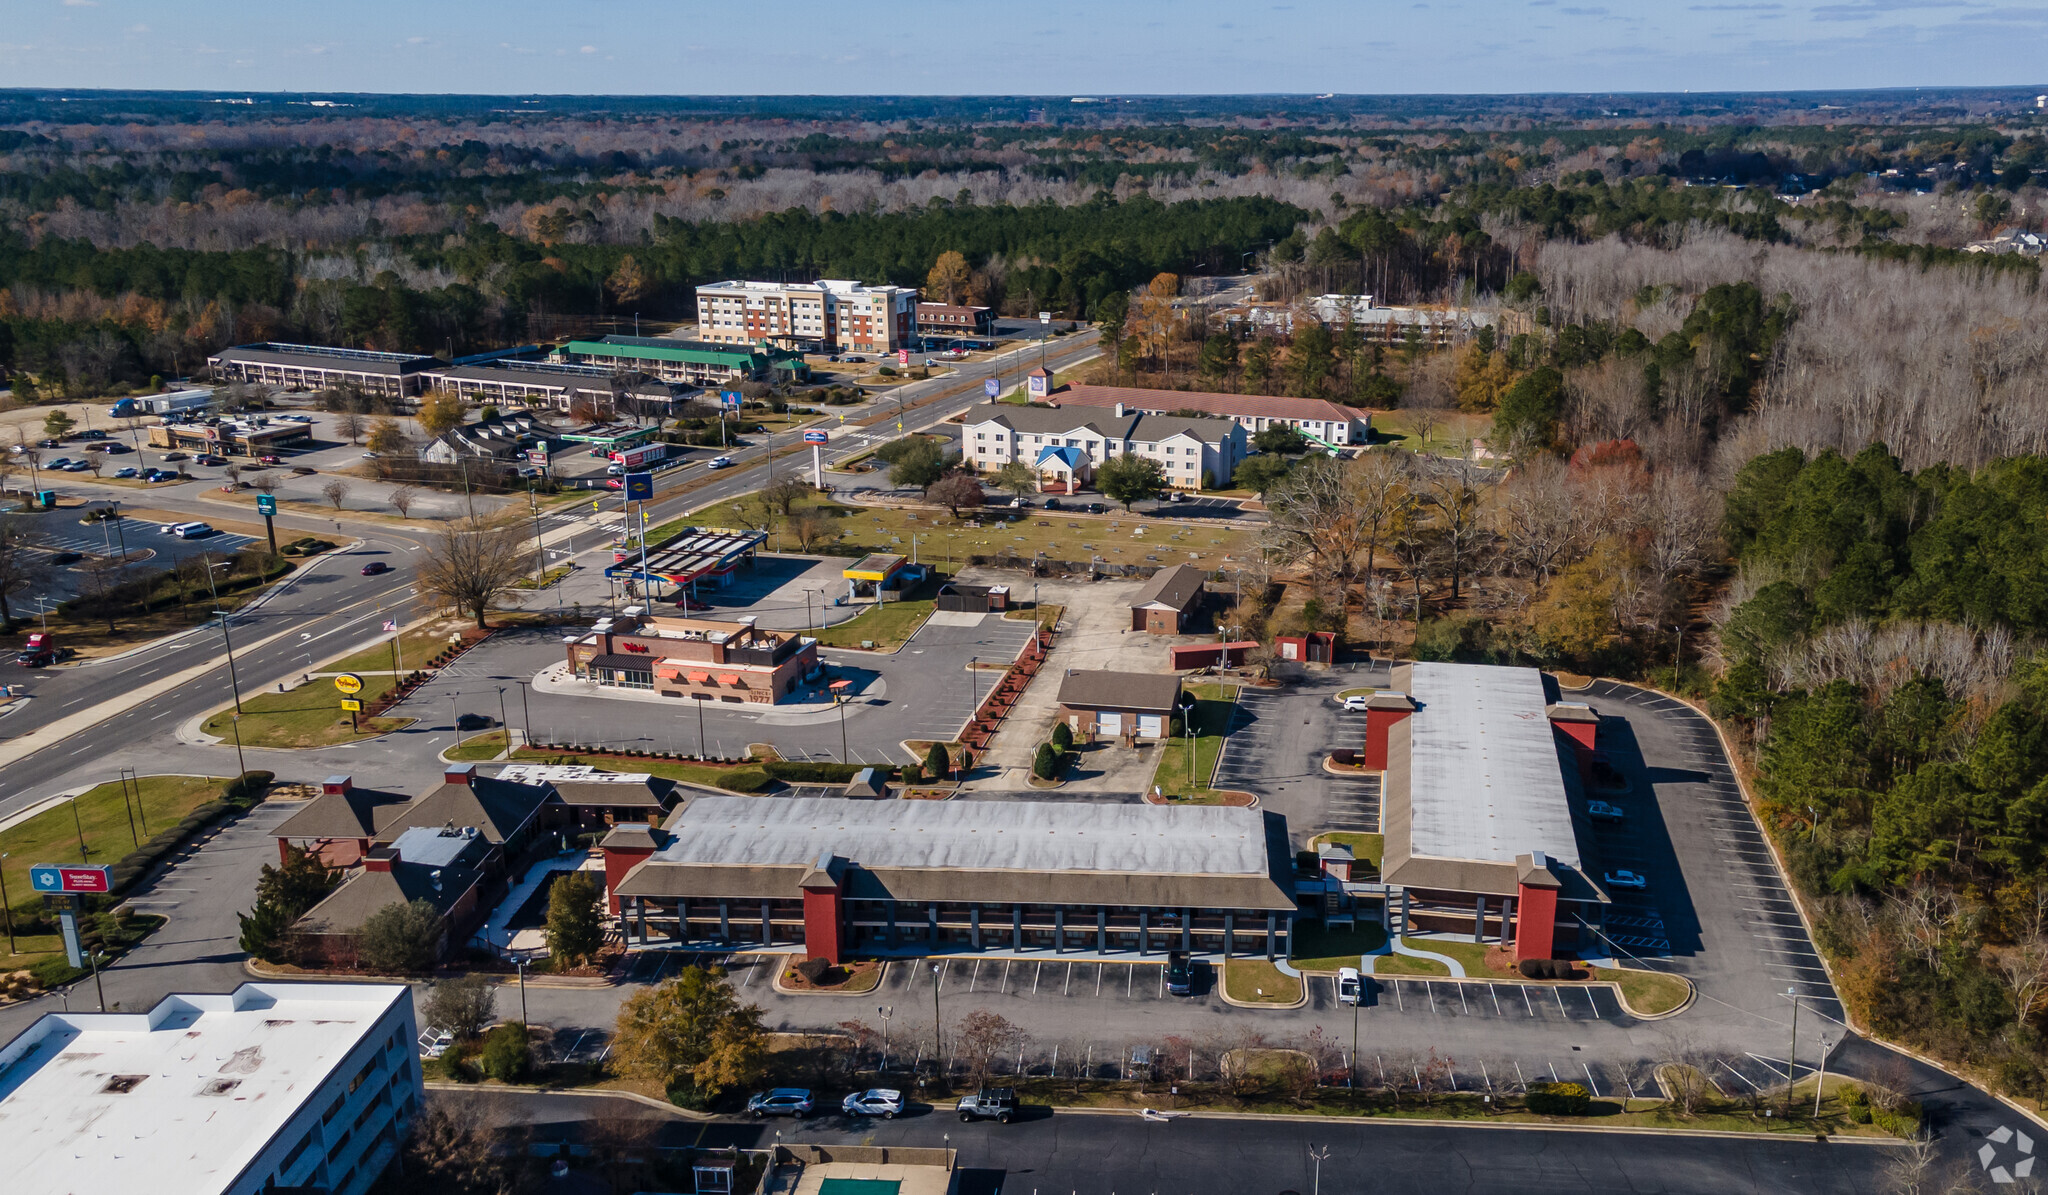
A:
(833, 878)
(697, 658)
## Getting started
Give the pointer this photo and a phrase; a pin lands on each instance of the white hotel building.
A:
(829, 315)
(305, 1086)
(1066, 444)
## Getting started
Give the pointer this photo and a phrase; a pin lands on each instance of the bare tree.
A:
(474, 564)
(808, 526)
(402, 500)
(983, 1037)
(351, 423)
(336, 491)
(1453, 497)
(265, 483)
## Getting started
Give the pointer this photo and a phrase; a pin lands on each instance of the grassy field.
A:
(1369, 848)
(479, 747)
(1256, 981)
(52, 837)
(1062, 535)
(1453, 432)
(307, 716)
(690, 773)
(1213, 707)
(1319, 949)
(1648, 992)
(887, 626)
(416, 645)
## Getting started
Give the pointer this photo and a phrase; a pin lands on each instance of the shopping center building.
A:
(832, 878)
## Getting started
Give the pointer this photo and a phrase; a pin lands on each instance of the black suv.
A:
(990, 1103)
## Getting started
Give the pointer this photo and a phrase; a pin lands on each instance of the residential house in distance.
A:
(693, 658)
(829, 315)
(1321, 421)
(948, 317)
(273, 1087)
(1169, 601)
(1066, 444)
(1127, 705)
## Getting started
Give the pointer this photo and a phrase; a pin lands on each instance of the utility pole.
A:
(938, 1034)
(884, 1011)
(1821, 1083)
(1793, 1053)
(6, 909)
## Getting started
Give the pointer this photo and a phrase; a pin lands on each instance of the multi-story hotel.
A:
(1067, 444)
(829, 315)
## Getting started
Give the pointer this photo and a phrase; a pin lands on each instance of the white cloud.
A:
(589, 50)
(81, 3)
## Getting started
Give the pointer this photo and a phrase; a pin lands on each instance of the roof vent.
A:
(121, 1084)
(1540, 860)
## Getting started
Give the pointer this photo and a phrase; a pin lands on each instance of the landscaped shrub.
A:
(1535, 968)
(506, 1055)
(1560, 1099)
(806, 772)
(913, 773)
(1047, 765)
(744, 782)
(936, 763)
(1063, 737)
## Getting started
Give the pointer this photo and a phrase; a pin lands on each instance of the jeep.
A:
(997, 1103)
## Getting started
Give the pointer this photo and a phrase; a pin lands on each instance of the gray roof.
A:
(1033, 851)
(1102, 421)
(347, 907)
(1120, 690)
(439, 846)
(1483, 765)
(1175, 587)
(319, 357)
(352, 814)
(497, 808)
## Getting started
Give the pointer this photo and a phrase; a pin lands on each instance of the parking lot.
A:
(1278, 741)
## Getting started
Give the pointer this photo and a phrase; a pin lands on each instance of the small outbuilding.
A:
(1130, 705)
(974, 599)
(1168, 602)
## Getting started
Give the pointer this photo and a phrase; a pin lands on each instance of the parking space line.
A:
(1130, 983)
(1006, 975)
(1098, 981)
(1036, 971)
(1399, 1003)
(1162, 983)
(1068, 987)
(1531, 1008)
(1559, 992)
(1493, 990)
(1461, 1000)
(976, 977)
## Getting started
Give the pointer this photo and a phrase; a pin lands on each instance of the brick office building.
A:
(1484, 810)
(696, 658)
(833, 878)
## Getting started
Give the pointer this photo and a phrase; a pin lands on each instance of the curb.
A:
(775, 981)
(636, 1097)
(1223, 992)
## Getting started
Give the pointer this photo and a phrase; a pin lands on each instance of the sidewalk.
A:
(496, 931)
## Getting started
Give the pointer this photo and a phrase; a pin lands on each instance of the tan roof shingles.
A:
(1176, 588)
(1150, 691)
(497, 808)
(353, 814)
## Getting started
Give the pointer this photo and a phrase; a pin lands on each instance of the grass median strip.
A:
(1647, 992)
(479, 747)
(309, 715)
(888, 626)
(1256, 981)
(1183, 773)
(101, 814)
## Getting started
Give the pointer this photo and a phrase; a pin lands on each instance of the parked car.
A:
(990, 1103)
(49, 442)
(369, 456)
(1626, 879)
(1601, 811)
(1180, 973)
(856, 360)
(113, 448)
(213, 460)
(92, 433)
(59, 463)
(66, 557)
(193, 530)
(1053, 504)
(128, 472)
(435, 1042)
(375, 567)
(783, 1101)
(167, 529)
(1096, 508)
(77, 466)
(1356, 702)
(875, 1101)
(1348, 985)
(270, 460)
(1021, 503)
(175, 456)
(719, 462)
(475, 722)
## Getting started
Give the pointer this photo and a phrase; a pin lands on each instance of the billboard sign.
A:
(349, 683)
(991, 387)
(815, 437)
(266, 505)
(639, 487)
(60, 879)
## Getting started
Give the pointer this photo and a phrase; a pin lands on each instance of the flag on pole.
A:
(390, 624)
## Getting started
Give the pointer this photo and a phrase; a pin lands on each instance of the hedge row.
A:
(236, 796)
(807, 772)
(1560, 1099)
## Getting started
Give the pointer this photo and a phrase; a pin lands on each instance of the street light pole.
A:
(1793, 1053)
(82, 854)
(1821, 1083)
(503, 722)
(938, 1034)
(521, 963)
(6, 908)
(884, 1011)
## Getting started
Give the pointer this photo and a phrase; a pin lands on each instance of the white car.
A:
(1626, 879)
(1348, 985)
(876, 1101)
(718, 462)
(1601, 811)
(1356, 702)
(435, 1042)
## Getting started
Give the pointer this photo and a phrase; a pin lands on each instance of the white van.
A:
(191, 530)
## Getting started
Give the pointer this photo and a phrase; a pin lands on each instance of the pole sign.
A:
(815, 437)
(538, 455)
(352, 705)
(65, 879)
(902, 356)
(730, 398)
(991, 387)
(349, 683)
(266, 505)
(639, 487)
(1045, 317)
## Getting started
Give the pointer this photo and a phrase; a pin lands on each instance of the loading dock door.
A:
(1148, 727)
(1109, 723)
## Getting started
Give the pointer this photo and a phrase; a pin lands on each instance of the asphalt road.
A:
(1103, 1153)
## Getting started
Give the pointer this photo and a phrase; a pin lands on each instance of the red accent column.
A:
(1535, 922)
(284, 852)
(616, 864)
(821, 925)
(1377, 724)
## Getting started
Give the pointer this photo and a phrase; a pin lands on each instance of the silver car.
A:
(876, 1101)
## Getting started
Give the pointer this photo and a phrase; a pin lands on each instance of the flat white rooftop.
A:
(1485, 781)
(578, 773)
(1046, 836)
(178, 1099)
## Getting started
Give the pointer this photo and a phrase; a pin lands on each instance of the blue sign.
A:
(991, 387)
(730, 398)
(266, 505)
(639, 487)
(60, 878)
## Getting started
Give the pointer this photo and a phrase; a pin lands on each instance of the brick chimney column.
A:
(1382, 711)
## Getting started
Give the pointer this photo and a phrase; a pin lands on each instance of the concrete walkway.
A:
(495, 932)
(1398, 945)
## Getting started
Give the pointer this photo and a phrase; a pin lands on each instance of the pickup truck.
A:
(990, 1103)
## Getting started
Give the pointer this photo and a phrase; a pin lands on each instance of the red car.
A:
(375, 567)
(616, 483)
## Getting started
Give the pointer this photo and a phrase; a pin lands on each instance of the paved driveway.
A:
(1279, 740)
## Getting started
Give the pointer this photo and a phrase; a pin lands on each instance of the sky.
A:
(1053, 47)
